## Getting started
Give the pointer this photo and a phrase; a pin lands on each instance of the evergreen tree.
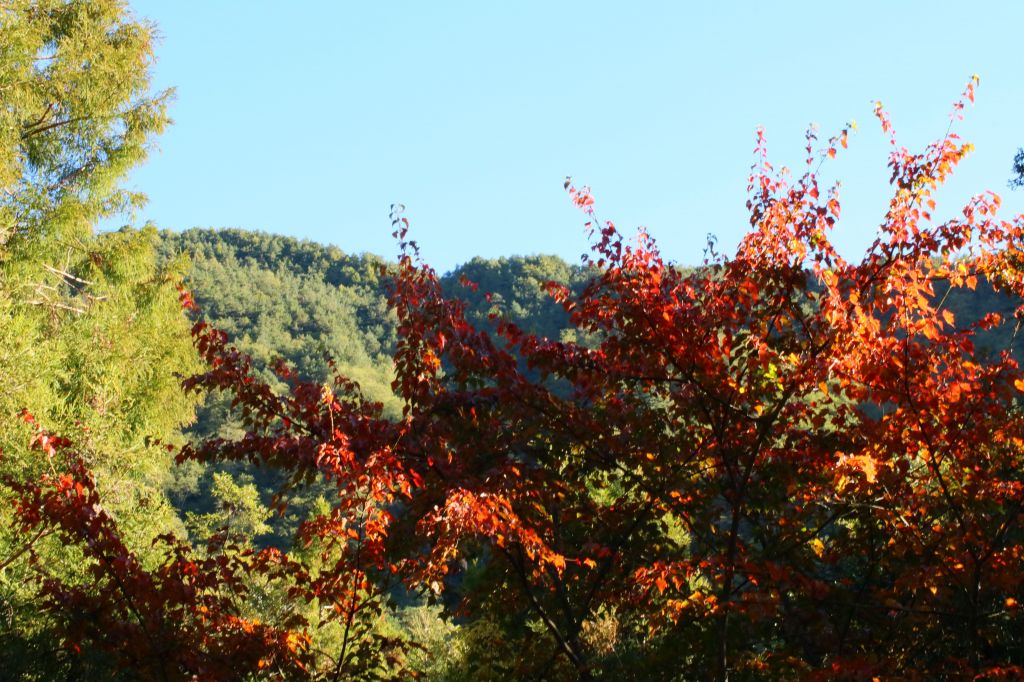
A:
(92, 340)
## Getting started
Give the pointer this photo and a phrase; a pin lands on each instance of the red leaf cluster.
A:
(798, 463)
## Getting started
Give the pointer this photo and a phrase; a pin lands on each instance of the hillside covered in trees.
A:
(282, 298)
(303, 302)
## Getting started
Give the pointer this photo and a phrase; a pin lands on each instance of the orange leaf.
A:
(866, 464)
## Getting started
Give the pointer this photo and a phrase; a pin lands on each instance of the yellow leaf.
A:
(866, 464)
(818, 546)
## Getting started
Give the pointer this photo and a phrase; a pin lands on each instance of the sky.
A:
(310, 118)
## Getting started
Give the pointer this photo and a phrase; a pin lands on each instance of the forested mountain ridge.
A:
(283, 298)
(278, 296)
(302, 301)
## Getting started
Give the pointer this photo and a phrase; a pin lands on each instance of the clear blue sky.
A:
(309, 118)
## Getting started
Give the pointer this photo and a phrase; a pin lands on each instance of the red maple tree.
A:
(779, 464)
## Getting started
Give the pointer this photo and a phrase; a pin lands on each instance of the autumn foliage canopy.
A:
(781, 464)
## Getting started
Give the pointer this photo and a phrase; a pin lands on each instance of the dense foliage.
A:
(91, 337)
(311, 305)
(781, 464)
